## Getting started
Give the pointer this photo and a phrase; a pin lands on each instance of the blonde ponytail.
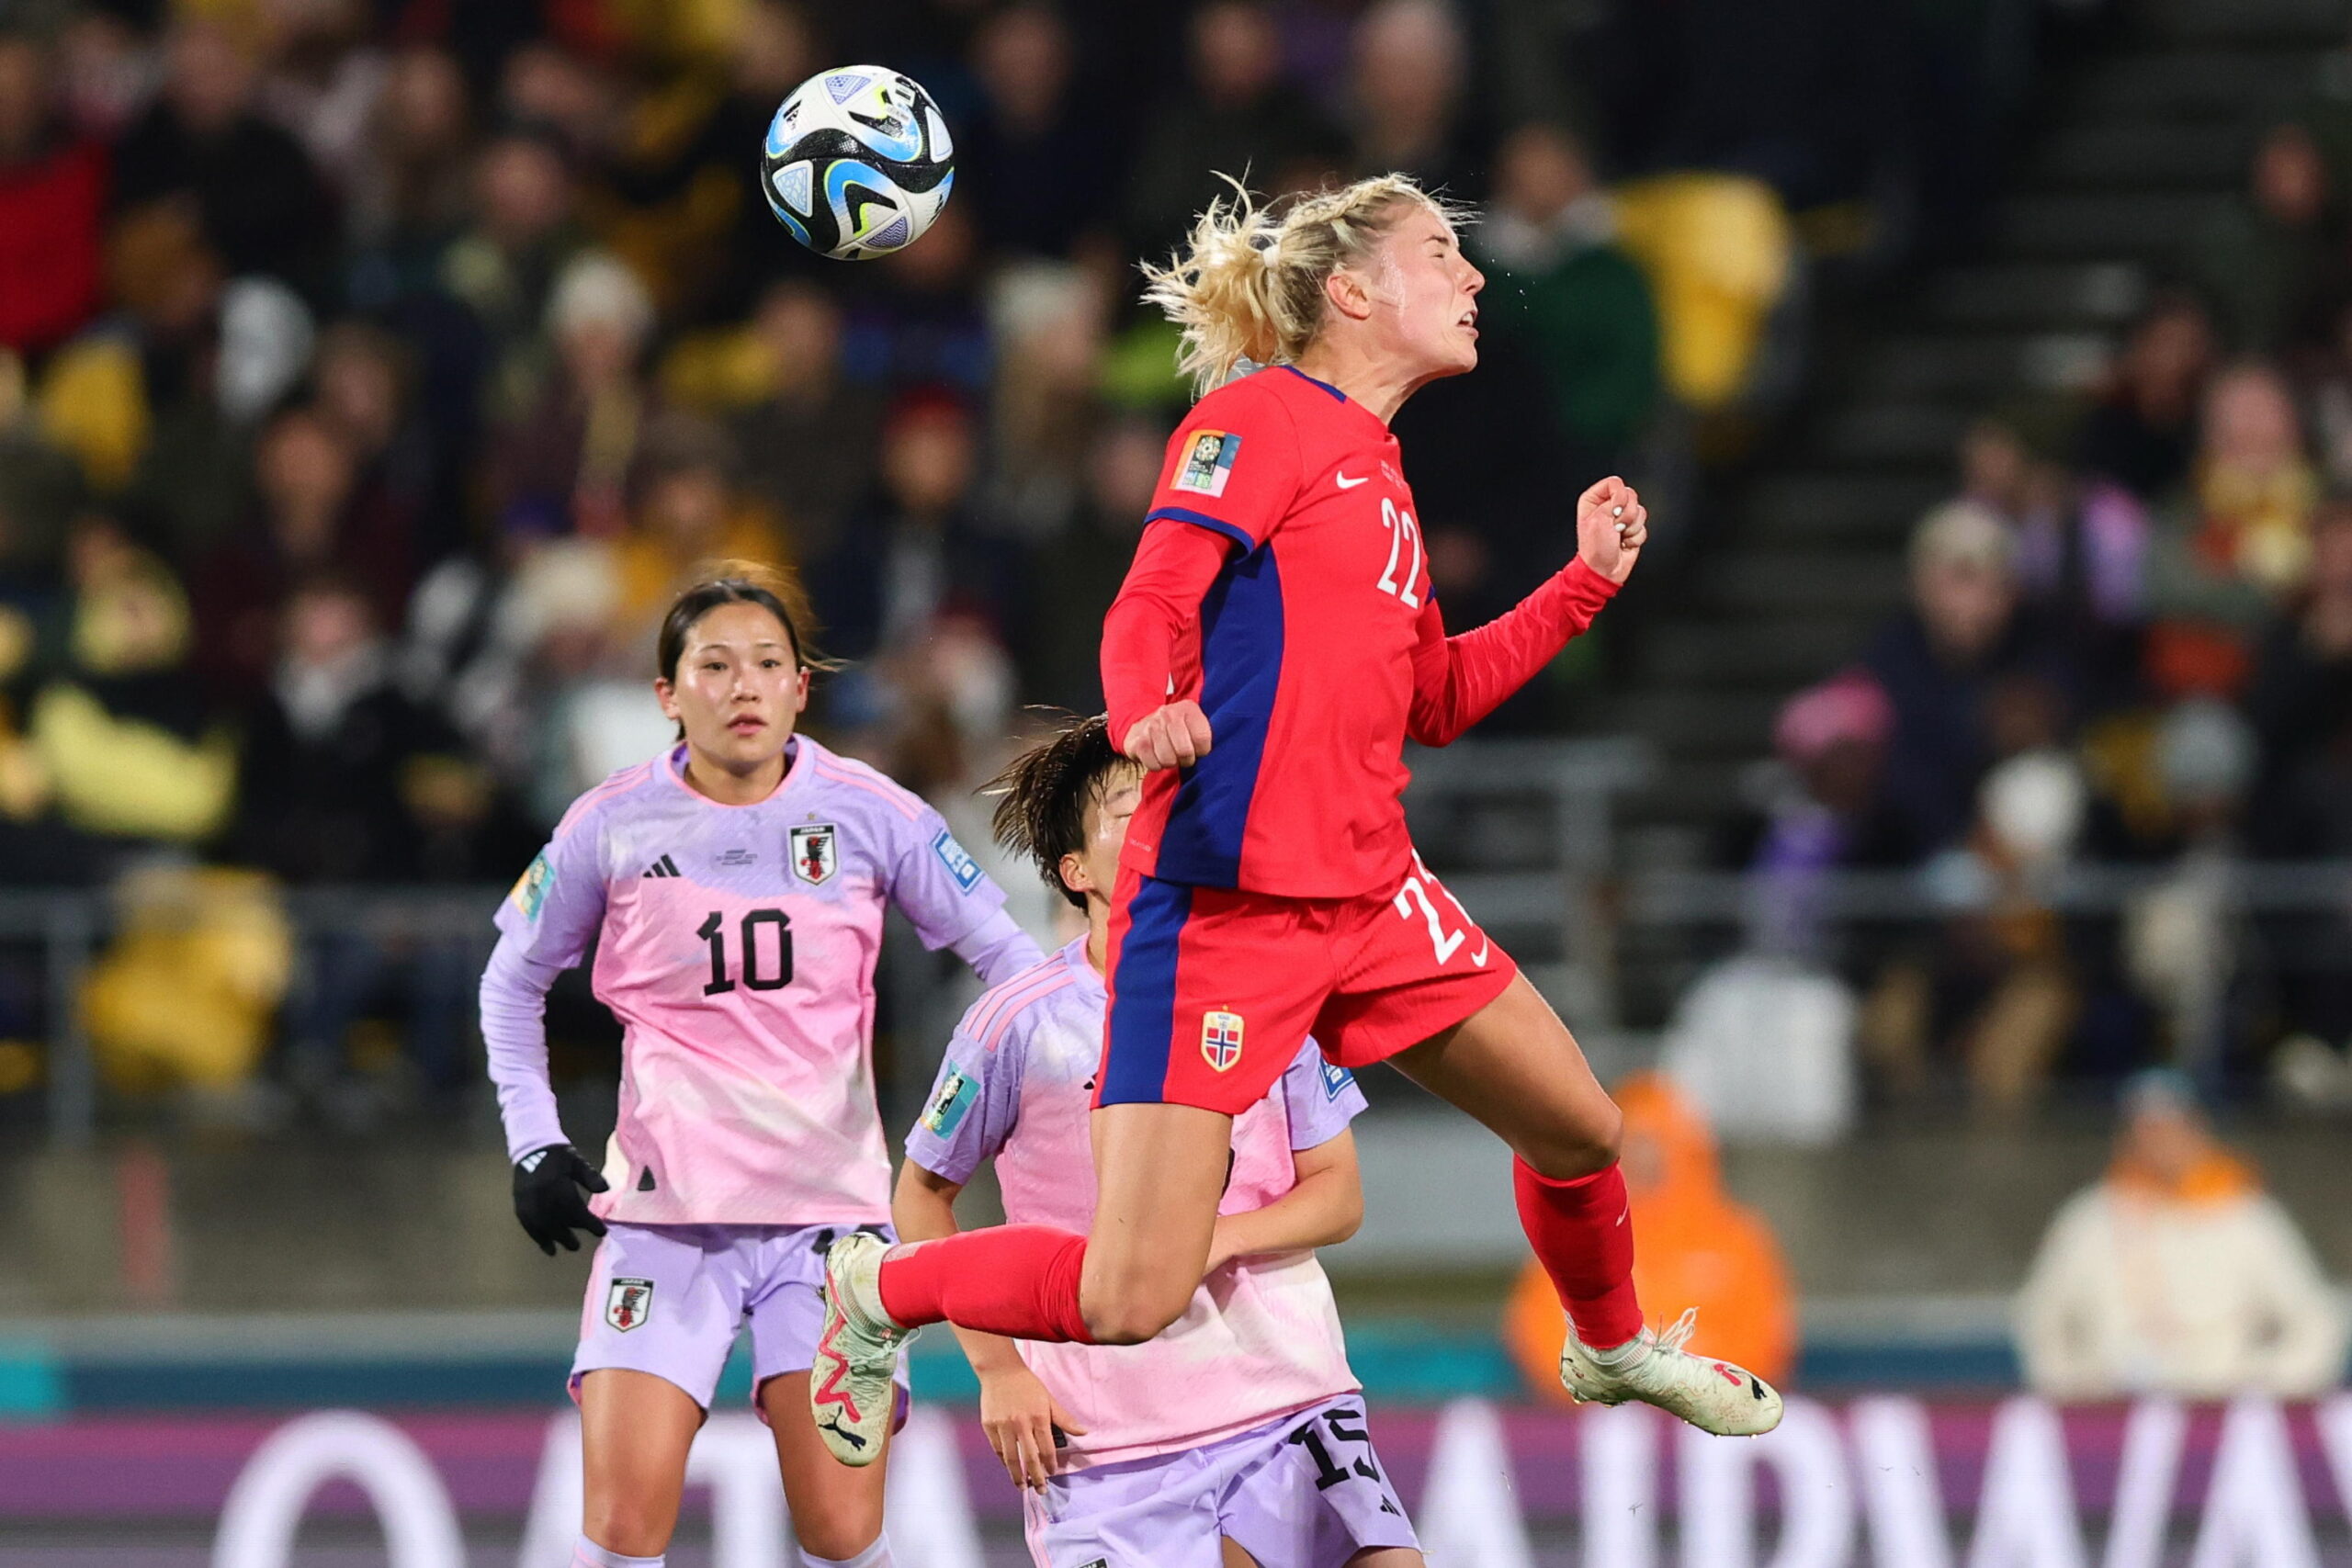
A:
(1248, 283)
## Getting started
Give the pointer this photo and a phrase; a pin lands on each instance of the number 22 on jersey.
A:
(1403, 531)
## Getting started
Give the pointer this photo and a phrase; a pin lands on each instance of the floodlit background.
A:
(1975, 741)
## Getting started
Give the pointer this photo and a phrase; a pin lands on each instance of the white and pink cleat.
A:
(1715, 1397)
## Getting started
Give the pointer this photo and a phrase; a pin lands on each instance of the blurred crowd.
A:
(2174, 1272)
(372, 370)
(2128, 644)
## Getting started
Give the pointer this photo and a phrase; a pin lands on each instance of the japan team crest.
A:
(1221, 1040)
(628, 1303)
(816, 853)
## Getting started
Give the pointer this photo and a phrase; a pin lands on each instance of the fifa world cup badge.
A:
(955, 1097)
(815, 856)
(531, 887)
(1221, 1040)
(1208, 462)
(628, 1303)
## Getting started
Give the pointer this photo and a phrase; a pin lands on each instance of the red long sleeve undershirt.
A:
(1174, 564)
(1457, 681)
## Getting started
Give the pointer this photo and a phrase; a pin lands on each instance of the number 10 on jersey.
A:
(756, 973)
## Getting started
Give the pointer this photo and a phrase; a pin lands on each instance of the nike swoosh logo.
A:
(1485, 949)
(1346, 483)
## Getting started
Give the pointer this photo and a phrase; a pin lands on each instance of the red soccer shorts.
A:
(1213, 989)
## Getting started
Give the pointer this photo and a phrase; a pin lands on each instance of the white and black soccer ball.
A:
(858, 162)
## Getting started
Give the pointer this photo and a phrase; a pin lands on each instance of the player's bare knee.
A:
(837, 1534)
(1581, 1147)
(1133, 1317)
(1128, 1326)
(1608, 1137)
(622, 1525)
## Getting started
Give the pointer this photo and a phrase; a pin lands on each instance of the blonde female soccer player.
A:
(1238, 1435)
(735, 887)
(1275, 644)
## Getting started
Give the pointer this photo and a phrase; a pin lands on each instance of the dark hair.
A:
(739, 582)
(1045, 792)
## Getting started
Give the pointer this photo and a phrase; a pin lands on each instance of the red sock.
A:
(1018, 1280)
(1583, 1233)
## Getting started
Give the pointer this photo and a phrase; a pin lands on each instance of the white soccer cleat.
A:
(853, 1391)
(1715, 1397)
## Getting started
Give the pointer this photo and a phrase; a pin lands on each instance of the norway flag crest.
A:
(1221, 1039)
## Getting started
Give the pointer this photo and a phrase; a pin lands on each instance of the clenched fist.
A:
(1611, 526)
(1175, 736)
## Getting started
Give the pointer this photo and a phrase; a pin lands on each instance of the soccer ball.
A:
(857, 163)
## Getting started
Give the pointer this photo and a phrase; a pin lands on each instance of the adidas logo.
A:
(665, 866)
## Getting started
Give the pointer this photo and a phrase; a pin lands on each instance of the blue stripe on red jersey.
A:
(1241, 665)
(1143, 1006)
(1312, 381)
(1203, 520)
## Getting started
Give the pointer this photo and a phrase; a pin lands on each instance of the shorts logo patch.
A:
(1208, 462)
(816, 853)
(1221, 1040)
(628, 1303)
(531, 887)
(955, 1097)
(958, 860)
(1336, 1078)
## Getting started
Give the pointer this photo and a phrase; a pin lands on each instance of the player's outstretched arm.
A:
(1016, 1412)
(998, 949)
(1175, 567)
(1457, 681)
(551, 1179)
(1323, 1209)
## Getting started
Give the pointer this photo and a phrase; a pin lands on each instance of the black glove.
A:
(547, 1198)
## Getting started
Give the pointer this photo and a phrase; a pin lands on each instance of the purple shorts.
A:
(1304, 1490)
(669, 1300)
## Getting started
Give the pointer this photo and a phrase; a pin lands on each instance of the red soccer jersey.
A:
(1299, 616)
(1301, 654)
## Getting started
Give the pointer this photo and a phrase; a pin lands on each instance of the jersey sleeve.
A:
(975, 1103)
(555, 906)
(1320, 1097)
(1173, 569)
(998, 949)
(544, 927)
(1232, 466)
(938, 884)
(1459, 680)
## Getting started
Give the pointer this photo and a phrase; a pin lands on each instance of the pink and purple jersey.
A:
(1261, 1335)
(736, 945)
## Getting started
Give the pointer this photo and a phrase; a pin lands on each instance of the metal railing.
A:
(1554, 882)
(1523, 833)
(1556, 860)
(69, 925)
(2224, 954)
(2253, 888)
